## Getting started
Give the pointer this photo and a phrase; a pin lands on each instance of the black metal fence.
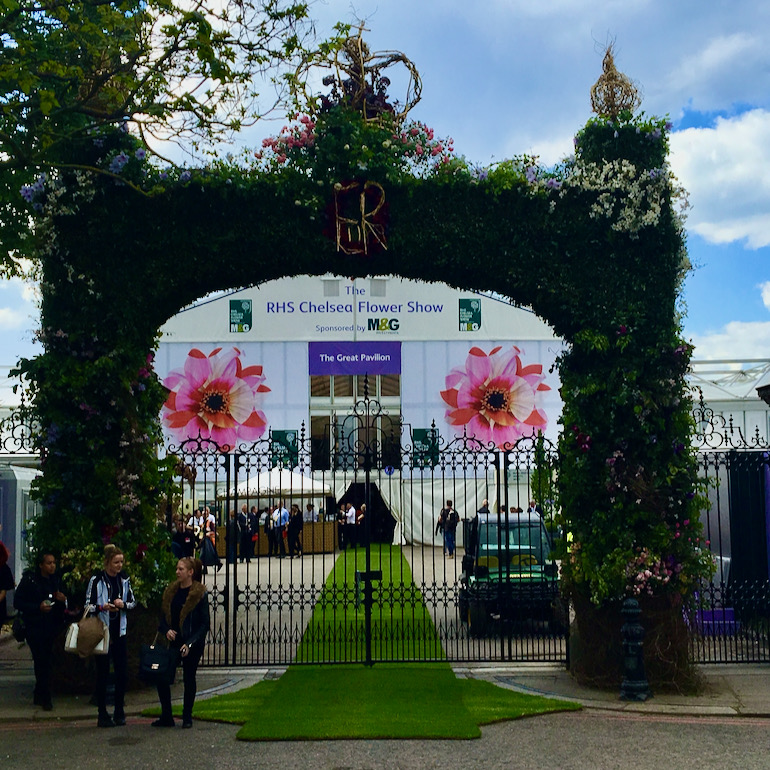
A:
(732, 623)
(381, 586)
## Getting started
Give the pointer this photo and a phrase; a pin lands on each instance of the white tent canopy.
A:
(280, 482)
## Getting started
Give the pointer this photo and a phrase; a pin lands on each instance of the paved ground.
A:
(728, 725)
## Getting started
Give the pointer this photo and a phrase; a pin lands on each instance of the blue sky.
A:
(506, 77)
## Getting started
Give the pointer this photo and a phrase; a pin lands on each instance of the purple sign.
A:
(354, 358)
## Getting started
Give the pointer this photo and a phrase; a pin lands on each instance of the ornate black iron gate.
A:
(375, 580)
(732, 621)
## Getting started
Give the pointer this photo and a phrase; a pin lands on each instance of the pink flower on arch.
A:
(214, 396)
(494, 398)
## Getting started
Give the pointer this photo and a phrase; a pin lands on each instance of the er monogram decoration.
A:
(359, 216)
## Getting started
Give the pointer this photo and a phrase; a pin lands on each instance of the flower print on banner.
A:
(215, 397)
(494, 397)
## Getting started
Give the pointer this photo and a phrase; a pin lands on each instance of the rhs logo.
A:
(382, 324)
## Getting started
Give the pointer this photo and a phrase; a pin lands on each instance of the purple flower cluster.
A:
(117, 163)
(29, 191)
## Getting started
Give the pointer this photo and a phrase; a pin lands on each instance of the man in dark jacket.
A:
(41, 602)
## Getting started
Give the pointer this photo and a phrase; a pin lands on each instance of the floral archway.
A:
(594, 246)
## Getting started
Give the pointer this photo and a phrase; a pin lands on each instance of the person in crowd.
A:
(269, 527)
(484, 506)
(183, 540)
(440, 528)
(360, 527)
(310, 513)
(184, 621)
(41, 602)
(7, 583)
(109, 595)
(341, 519)
(351, 514)
(196, 523)
(449, 519)
(209, 555)
(253, 521)
(534, 508)
(280, 523)
(232, 537)
(294, 530)
(244, 535)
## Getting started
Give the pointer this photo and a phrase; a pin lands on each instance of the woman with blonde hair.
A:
(184, 621)
(109, 596)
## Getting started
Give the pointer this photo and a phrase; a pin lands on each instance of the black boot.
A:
(105, 720)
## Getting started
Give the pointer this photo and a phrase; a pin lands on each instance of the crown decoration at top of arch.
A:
(358, 81)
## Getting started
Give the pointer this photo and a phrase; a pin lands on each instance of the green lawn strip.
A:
(402, 629)
(488, 703)
(387, 701)
(320, 703)
(234, 707)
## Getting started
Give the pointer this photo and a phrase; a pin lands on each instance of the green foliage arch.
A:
(594, 246)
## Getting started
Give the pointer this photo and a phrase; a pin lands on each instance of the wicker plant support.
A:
(613, 93)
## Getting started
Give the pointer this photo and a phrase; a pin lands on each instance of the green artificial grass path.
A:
(386, 701)
(402, 628)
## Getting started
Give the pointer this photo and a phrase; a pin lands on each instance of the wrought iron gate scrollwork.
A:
(381, 589)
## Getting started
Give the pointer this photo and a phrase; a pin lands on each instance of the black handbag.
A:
(157, 664)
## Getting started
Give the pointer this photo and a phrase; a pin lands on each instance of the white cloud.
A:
(735, 340)
(765, 289)
(726, 170)
(721, 71)
(12, 319)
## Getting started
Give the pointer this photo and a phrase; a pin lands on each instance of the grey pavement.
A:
(740, 690)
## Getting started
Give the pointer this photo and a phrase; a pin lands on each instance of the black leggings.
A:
(119, 658)
(189, 670)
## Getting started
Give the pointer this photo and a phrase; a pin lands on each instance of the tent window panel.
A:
(390, 385)
(320, 386)
(343, 385)
(320, 443)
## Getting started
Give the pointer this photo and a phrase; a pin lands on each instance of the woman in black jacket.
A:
(184, 621)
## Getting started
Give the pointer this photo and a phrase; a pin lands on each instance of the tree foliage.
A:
(175, 69)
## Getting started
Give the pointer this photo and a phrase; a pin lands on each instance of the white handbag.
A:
(71, 639)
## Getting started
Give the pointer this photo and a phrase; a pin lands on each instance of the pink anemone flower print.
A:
(215, 397)
(494, 397)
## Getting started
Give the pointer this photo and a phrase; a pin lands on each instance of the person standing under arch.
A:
(41, 602)
(110, 596)
(185, 622)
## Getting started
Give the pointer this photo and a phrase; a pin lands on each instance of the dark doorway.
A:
(382, 521)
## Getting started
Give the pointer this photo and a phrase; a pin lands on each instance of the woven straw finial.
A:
(613, 92)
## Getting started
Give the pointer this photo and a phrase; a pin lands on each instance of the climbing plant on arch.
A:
(594, 246)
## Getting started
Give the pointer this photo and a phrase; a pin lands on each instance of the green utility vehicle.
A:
(508, 573)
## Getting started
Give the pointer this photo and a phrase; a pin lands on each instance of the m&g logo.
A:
(382, 324)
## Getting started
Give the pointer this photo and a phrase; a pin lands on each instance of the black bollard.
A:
(635, 686)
